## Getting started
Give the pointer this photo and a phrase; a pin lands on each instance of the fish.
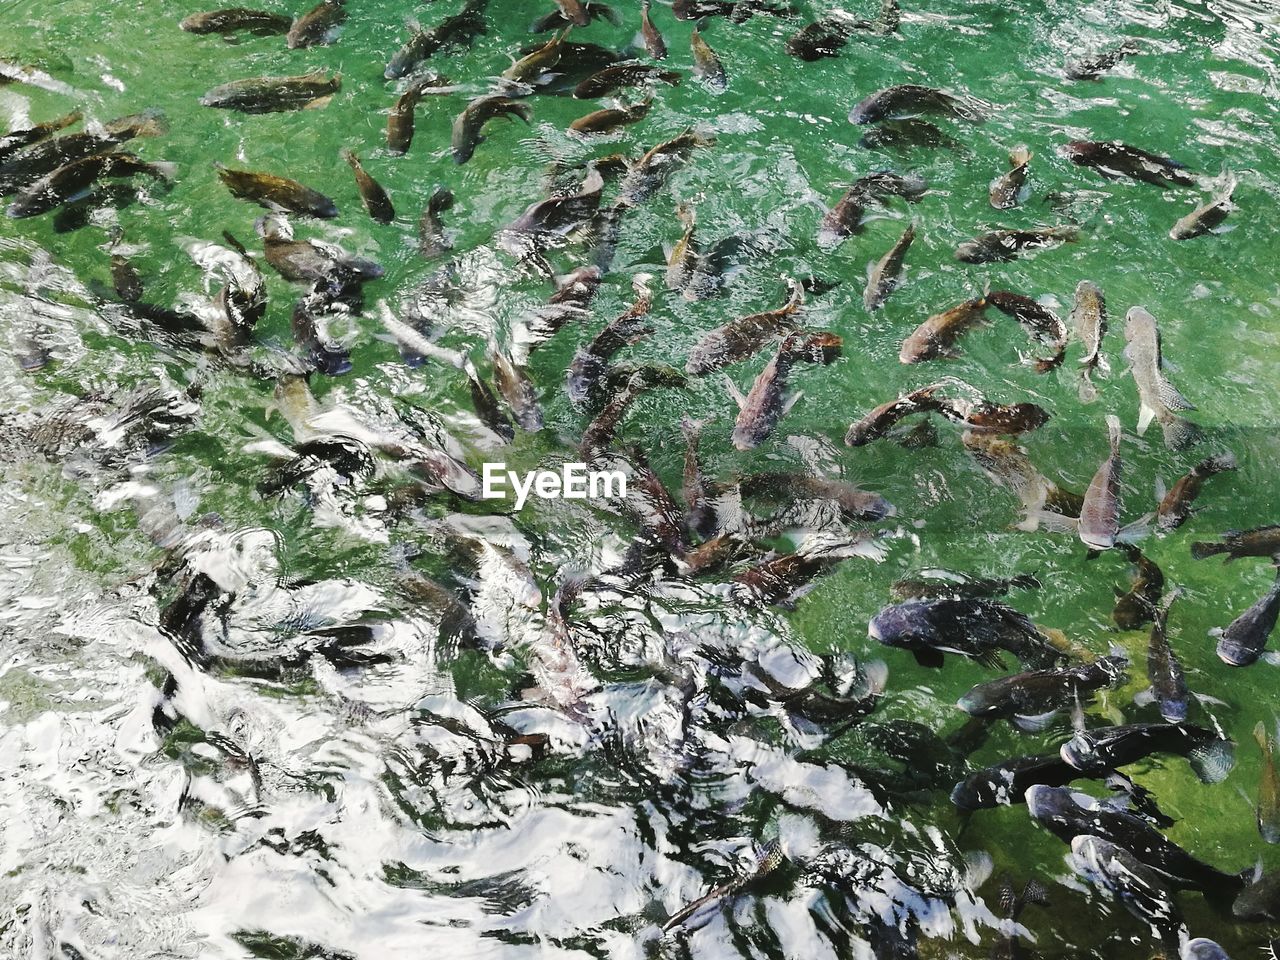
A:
(308, 91)
(768, 859)
(486, 404)
(1094, 66)
(1158, 399)
(601, 430)
(683, 257)
(1006, 783)
(762, 408)
(1008, 947)
(533, 66)
(933, 584)
(317, 26)
(469, 124)
(26, 166)
(517, 389)
(650, 172)
(1031, 699)
(1100, 513)
(125, 279)
(276, 193)
(400, 120)
(878, 422)
(1241, 644)
(1106, 748)
(569, 302)
(654, 44)
(884, 275)
(611, 118)
(1114, 160)
(913, 100)
(783, 580)
(1207, 217)
(589, 362)
(1138, 887)
(983, 416)
(855, 504)
(742, 338)
(1258, 542)
(1008, 189)
(1138, 606)
(375, 199)
(829, 34)
(706, 65)
(1038, 320)
(719, 262)
(559, 19)
(461, 28)
(936, 337)
(1176, 505)
(16, 140)
(1044, 503)
(73, 180)
(846, 217)
(619, 75)
(432, 242)
(1268, 806)
(557, 216)
(1069, 815)
(1089, 321)
(325, 354)
(1260, 899)
(310, 261)
(1168, 681)
(977, 628)
(1000, 246)
(260, 23)
(906, 135)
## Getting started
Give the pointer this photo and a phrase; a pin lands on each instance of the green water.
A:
(1204, 92)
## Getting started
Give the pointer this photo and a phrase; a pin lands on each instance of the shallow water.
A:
(268, 796)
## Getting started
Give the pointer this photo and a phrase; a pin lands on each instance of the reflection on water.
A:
(277, 682)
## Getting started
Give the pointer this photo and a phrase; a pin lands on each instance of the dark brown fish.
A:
(846, 217)
(1138, 606)
(400, 120)
(913, 100)
(432, 242)
(375, 198)
(535, 65)
(764, 406)
(706, 65)
(784, 579)
(654, 44)
(458, 29)
(519, 391)
(317, 25)
(984, 416)
(611, 118)
(650, 172)
(885, 417)
(1176, 506)
(1038, 320)
(590, 362)
(938, 335)
(16, 140)
(558, 19)
(884, 274)
(1258, 542)
(1114, 160)
(125, 280)
(24, 167)
(742, 338)
(1003, 245)
(621, 75)
(1007, 189)
(308, 91)
(467, 128)
(76, 178)
(855, 504)
(234, 19)
(1094, 66)
(276, 193)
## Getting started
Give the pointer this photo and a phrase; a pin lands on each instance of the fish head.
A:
(906, 625)
(1051, 806)
(1203, 949)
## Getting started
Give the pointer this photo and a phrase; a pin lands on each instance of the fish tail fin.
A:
(1113, 432)
(1220, 463)
(1088, 390)
(1049, 364)
(1202, 550)
(1213, 761)
(1172, 398)
(1180, 433)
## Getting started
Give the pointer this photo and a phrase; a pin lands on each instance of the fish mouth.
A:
(1037, 800)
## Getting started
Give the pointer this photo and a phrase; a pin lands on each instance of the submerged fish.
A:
(469, 124)
(400, 120)
(24, 167)
(854, 503)
(1260, 899)
(432, 242)
(1241, 644)
(1106, 748)
(1003, 245)
(784, 579)
(706, 65)
(276, 193)
(1094, 66)
(1268, 806)
(883, 418)
(649, 173)
(1206, 217)
(1008, 189)
(1138, 606)
(1006, 783)
(912, 100)
(828, 35)
(976, 628)
(1164, 670)
(1089, 321)
(938, 335)
(1139, 888)
(742, 338)
(1114, 160)
(460, 28)
(1038, 320)
(74, 179)
(764, 406)
(374, 197)
(572, 12)
(1100, 513)
(589, 363)
(846, 217)
(1258, 542)
(1176, 505)
(611, 118)
(1030, 700)
(883, 275)
(308, 91)
(535, 65)
(616, 76)
(260, 23)
(654, 44)
(19, 139)
(1158, 399)
(940, 583)
(318, 25)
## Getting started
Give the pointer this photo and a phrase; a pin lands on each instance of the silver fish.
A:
(1158, 398)
(1100, 513)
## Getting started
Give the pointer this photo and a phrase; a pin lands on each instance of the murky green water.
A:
(387, 808)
